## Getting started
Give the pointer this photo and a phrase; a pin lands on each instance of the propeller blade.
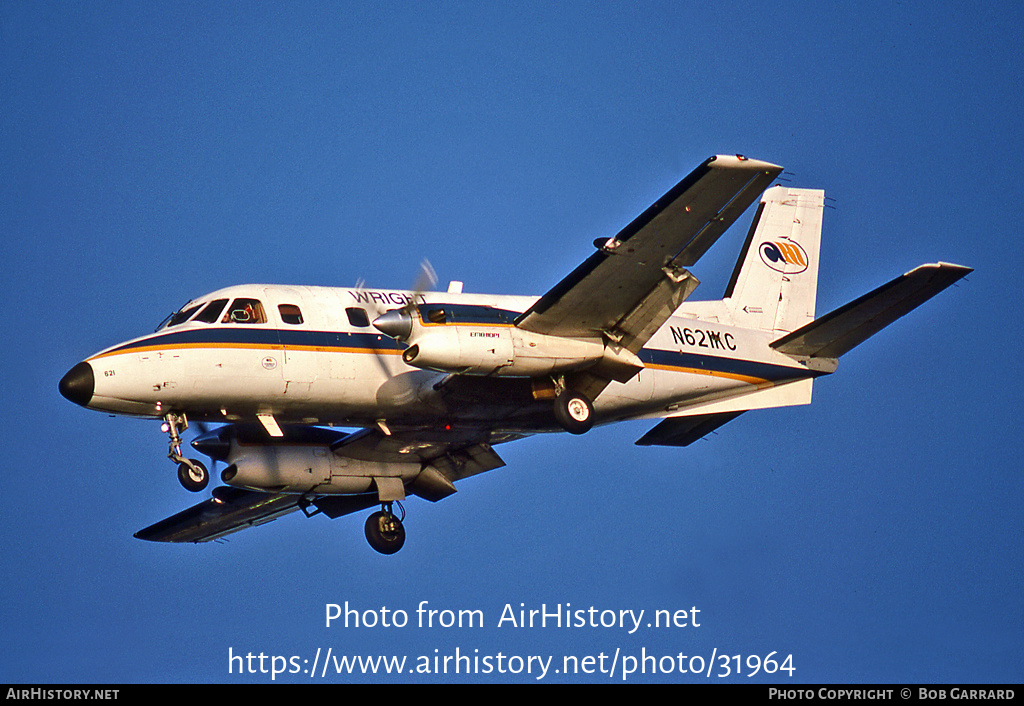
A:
(397, 323)
(426, 279)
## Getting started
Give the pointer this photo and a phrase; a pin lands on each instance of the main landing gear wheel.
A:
(385, 532)
(193, 475)
(574, 412)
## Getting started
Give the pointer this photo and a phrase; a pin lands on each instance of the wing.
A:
(229, 510)
(445, 458)
(633, 283)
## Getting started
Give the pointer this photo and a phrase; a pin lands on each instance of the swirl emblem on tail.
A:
(784, 256)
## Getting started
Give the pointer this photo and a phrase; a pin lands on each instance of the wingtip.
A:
(734, 161)
(953, 266)
(946, 267)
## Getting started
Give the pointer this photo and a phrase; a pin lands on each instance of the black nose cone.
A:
(79, 384)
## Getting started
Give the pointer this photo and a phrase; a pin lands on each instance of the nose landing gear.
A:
(191, 473)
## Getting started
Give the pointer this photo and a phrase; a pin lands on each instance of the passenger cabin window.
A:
(211, 313)
(358, 317)
(290, 314)
(245, 311)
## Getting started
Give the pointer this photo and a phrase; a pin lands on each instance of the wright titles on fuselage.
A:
(385, 298)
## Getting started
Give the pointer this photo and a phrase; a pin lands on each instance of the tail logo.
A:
(784, 256)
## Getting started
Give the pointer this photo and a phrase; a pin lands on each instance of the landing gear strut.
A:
(192, 473)
(384, 531)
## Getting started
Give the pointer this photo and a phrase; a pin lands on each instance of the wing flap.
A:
(446, 457)
(630, 270)
(335, 506)
(834, 334)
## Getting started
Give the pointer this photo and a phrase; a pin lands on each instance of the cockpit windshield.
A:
(241, 311)
(180, 316)
(183, 315)
(212, 311)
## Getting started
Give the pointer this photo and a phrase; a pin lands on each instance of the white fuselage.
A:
(309, 355)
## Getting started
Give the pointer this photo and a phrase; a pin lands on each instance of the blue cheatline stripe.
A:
(747, 370)
(340, 341)
(260, 338)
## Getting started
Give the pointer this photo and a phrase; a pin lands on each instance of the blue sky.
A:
(155, 152)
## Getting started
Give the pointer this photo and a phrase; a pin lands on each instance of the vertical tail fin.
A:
(775, 282)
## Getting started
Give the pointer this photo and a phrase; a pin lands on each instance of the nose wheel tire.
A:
(193, 475)
(385, 532)
(573, 412)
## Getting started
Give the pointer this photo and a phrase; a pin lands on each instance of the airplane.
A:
(433, 381)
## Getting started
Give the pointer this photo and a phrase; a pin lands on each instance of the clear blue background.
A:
(153, 152)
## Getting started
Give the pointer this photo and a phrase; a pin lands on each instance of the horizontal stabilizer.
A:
(683, 431)
(836, 333)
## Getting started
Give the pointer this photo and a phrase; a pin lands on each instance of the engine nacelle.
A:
(286, 469)
(483, 340)
(289, 469)
(499, 350)
(301, 462)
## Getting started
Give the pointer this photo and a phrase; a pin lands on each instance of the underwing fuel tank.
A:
(299, 462)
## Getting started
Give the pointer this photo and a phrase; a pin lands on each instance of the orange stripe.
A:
(712, 373)
(247, 346)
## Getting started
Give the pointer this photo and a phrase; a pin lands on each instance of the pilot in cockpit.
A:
(245, 311)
